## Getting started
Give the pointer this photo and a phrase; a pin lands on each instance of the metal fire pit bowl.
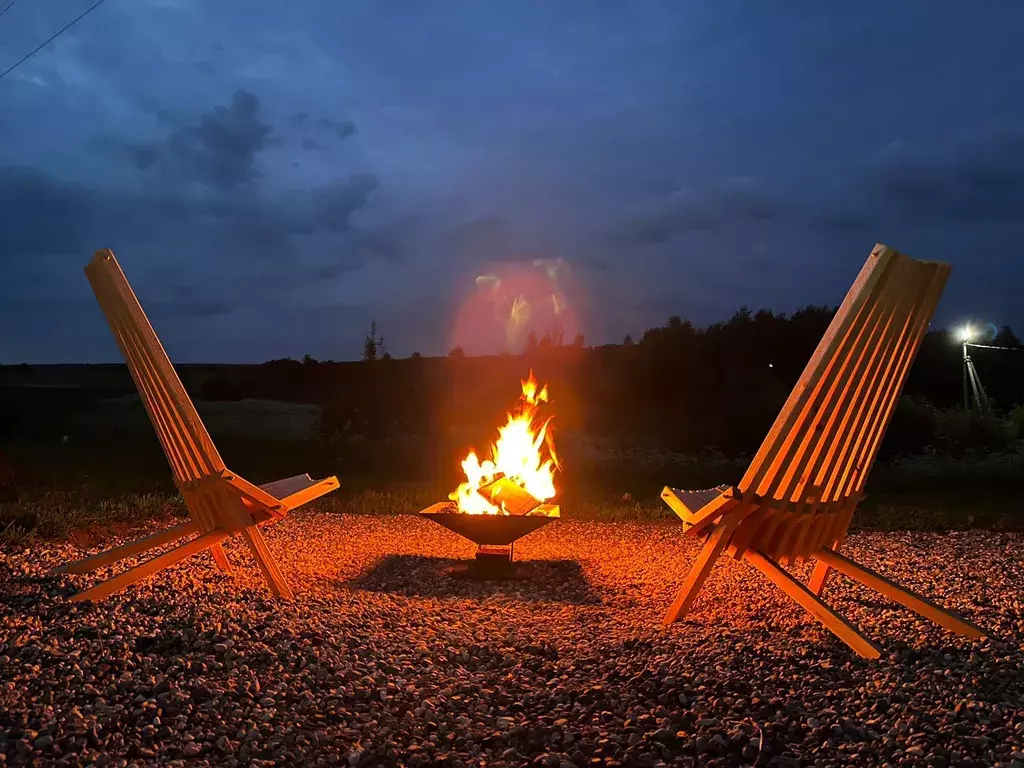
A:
(495, 537)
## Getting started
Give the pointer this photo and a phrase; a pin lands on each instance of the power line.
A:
(5, 10)
(53, 37)
(989, 346)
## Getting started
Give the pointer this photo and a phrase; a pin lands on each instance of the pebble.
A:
(384, 660)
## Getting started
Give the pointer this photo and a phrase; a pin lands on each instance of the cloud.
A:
(41, 215)
(220, 151)
(973, 176)
(311, 145)
(201, 208)
(340, 128)
(725, 203)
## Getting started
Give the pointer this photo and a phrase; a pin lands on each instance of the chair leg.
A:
(130, 549)
(899, 594)
(821, 572)
(265, 559)
(221, 558)
(698, 574)
(835, 623)
(818, 578)
(150, 567)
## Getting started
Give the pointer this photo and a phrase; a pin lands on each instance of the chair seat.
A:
(695, 500)
(279, 489)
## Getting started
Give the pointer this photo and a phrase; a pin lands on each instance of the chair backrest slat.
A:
(838, 391)
(854, 475)
(854, 416)
(828, 432)
(183, 437)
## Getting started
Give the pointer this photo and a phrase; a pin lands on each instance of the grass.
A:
(99, 465)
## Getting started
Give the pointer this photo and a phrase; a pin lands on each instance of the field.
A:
(78, 455)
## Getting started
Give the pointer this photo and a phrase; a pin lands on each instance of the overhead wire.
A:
(52, 37)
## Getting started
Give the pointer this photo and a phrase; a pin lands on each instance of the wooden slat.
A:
(789, 427)
(695, 519)
(181, 454)
(878, 404)
(866, 456)
(131, 549)
(306, 495)
(717, 541)
(220, 558)
(120, 291)
(150, 567)
(176, 456)
(257, 495)
(835, 623)
(288, 485)
(265, 560)
(847, 389)
(748, 529)
(901, 595)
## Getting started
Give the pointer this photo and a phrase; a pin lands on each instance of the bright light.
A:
(965, 334)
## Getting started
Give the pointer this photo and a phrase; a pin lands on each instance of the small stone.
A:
(192, 749)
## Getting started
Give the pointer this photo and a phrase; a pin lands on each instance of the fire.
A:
(524, 453)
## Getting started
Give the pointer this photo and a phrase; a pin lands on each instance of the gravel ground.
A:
(383, 660)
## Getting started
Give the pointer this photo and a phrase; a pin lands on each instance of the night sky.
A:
(275, 175)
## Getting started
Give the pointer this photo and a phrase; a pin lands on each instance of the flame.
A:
(524, 453)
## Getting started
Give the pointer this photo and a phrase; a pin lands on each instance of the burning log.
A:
(505, 497)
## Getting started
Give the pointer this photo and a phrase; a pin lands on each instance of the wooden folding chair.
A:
(220, 503)
(798, 495)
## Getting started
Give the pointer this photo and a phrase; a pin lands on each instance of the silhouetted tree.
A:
(457, 352)
(1006, 338)
(373, 346)
(578, 340)
(531, 344)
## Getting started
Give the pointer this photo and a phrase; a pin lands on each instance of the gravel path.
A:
(382, 660)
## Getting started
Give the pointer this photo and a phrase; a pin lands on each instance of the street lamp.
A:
(965, 335)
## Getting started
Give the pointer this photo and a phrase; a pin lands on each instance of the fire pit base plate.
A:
(473, 571)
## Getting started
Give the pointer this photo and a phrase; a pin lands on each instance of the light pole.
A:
(965, 335)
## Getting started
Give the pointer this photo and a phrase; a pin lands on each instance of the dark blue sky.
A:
(274, 175)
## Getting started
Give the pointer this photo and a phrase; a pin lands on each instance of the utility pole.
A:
(972, 382)
(966, 375)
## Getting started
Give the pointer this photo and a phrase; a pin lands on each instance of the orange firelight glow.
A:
(524, 453)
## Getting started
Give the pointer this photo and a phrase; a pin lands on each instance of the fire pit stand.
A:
(494, 535)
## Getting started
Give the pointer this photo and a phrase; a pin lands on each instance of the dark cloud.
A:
(340, 128)
(269, 238)
(185, 303)
(145, 157)
(298, 119)
(220, 151)
(976, 176)
(41, 215)
(311, 145)
(726, 203)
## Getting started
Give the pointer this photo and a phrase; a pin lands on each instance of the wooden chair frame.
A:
(220, 503)
(797, 497)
